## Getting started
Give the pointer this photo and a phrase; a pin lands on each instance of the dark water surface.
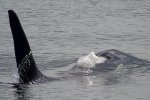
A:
(60, 31)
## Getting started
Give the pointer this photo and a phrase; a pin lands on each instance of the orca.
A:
(27, 69)
(29, 73)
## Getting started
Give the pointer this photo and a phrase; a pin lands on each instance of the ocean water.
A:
(61, 31)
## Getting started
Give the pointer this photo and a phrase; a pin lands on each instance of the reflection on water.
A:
(89, 80)
(21, 92)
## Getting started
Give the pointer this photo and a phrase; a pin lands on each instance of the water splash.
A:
(90, 60)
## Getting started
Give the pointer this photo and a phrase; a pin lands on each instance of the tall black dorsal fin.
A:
(27, 69)
(21, 44)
